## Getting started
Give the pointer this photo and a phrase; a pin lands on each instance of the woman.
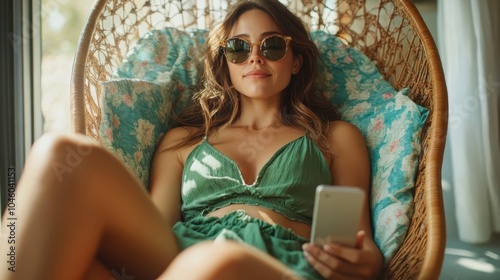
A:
(245, 169)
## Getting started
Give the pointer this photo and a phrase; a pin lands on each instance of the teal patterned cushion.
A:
(391, 123)
(162, 54)
(164, 64)
(135, 115)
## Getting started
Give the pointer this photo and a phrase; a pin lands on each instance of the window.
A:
(62, 21)
(39, 41)
(17, 103)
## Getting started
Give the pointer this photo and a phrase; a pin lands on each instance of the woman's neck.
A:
(259, 114)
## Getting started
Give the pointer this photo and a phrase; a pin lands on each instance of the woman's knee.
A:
(224, 256)
(55, 157)
(224, 260)
(62, 147)
(209, 260)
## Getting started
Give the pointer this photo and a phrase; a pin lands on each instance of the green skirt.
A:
(275, 240)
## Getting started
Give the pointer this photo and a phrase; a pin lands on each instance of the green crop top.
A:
(285, 184)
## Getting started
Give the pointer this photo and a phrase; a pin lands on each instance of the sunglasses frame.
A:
(259, 43)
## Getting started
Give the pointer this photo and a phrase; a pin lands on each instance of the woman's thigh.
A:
(78, 203)
(226, 260)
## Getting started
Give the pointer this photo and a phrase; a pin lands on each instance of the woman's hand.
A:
(334, 261)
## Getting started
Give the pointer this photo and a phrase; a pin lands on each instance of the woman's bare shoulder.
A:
(344, 135)
(343, 129)
(351, 165)
(174, 136)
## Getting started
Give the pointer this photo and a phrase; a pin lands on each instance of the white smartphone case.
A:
(337, 213)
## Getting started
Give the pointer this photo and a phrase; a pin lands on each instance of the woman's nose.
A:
(255, 54)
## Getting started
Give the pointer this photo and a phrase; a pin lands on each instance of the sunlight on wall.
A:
(473, 260)
(476, 264)
(492, 255)
(460, 252)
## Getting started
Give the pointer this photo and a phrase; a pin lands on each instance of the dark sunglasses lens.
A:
(274, 48)
(237, 50)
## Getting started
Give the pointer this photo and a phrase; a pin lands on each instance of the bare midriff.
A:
(267, 215)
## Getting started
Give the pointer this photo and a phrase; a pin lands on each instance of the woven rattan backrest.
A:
(391, 33)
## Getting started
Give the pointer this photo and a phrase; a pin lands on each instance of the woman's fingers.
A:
(360, 238)
(326, 271)
(334, 261)
(327, 264)
(350, 255)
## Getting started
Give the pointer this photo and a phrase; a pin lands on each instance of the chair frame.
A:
(407, 39)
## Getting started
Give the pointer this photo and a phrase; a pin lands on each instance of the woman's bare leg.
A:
(226, 261)
(76, 201)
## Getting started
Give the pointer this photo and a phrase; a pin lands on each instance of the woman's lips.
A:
(256, 74)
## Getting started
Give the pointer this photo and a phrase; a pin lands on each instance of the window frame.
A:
(20, 100)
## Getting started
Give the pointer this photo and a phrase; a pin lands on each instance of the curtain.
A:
(469, 45)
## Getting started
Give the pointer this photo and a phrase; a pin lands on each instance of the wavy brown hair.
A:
(218, 103)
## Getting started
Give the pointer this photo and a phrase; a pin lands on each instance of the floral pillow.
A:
(391, 123)
(135, 115)
(161, 54)
(161, 69)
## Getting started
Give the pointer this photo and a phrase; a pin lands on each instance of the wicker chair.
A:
(392, 33)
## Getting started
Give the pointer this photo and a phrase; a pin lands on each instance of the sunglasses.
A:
(274, 47)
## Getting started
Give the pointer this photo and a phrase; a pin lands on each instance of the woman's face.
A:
(258, 77)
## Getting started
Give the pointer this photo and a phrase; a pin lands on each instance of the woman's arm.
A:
(166, 175)
(350, 167)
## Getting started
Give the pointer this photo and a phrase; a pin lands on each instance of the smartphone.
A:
(337, 214)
